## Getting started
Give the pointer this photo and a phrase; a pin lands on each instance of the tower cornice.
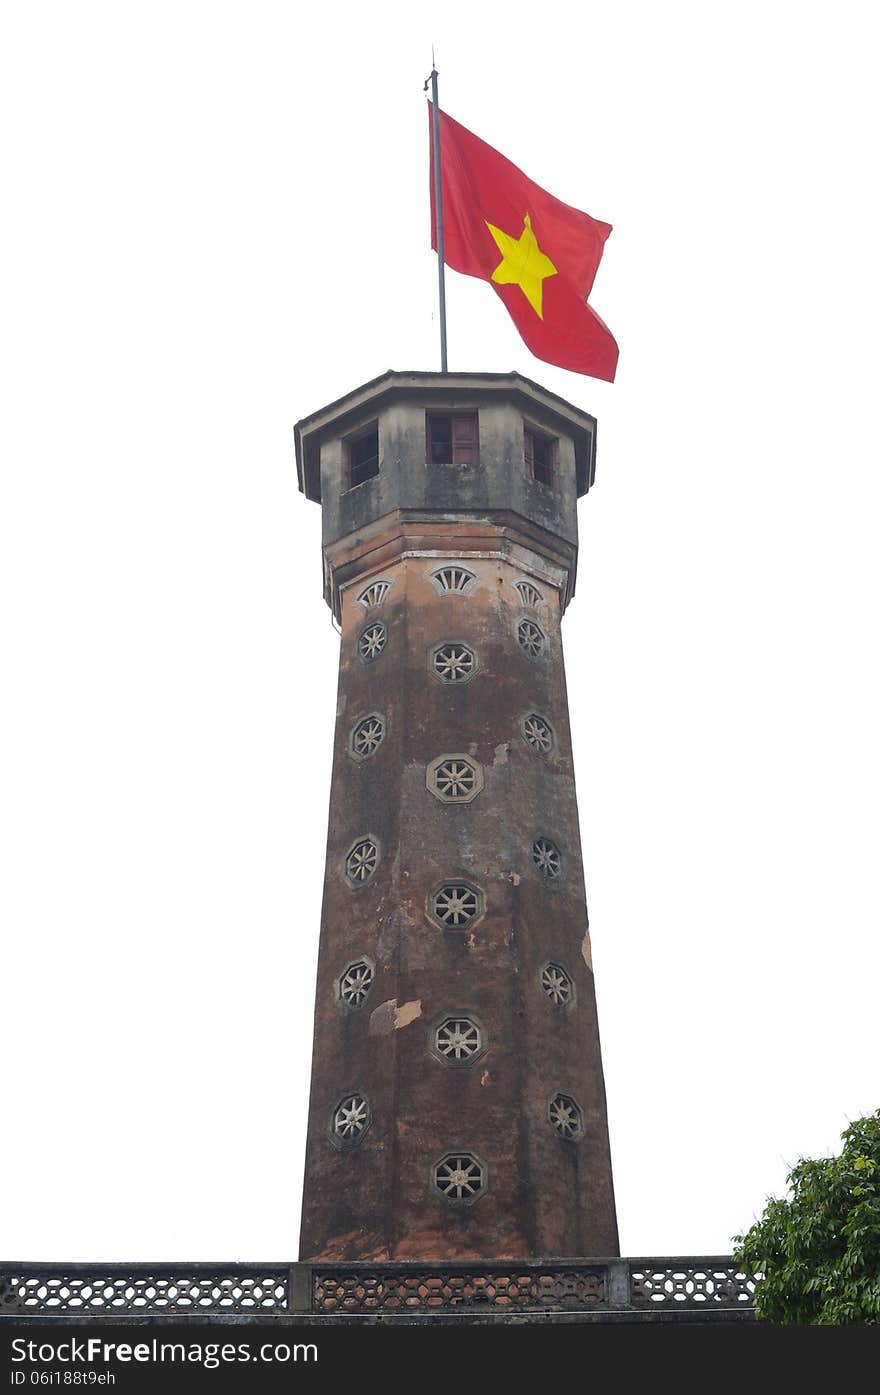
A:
(535, 551)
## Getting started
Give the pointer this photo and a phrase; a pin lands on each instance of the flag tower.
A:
(457, 1101)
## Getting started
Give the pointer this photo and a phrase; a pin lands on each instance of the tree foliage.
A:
(818, 1252)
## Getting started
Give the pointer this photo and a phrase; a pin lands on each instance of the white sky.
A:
(216, 221)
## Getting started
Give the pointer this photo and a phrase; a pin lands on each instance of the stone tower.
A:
(457, 1101)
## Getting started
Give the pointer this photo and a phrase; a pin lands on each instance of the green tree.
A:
(818, 1252)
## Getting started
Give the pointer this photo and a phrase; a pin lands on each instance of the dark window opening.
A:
(363, 457)
(539, 452)
(453, 438)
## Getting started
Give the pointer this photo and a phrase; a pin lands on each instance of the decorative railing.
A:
(362, 1290)
(689, 1283)
(423, 1289)
(110, 1290)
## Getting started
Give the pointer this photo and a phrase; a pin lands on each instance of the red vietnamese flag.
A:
(539, 254)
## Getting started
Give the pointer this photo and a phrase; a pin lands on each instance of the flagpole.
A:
(438, 214)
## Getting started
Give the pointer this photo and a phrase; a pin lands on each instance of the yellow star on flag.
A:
(522, 264)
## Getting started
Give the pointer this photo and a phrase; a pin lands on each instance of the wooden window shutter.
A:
(465, 440)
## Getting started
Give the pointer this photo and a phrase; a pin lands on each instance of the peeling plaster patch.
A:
(484, 1078)
(407, 1013)
(388, 1017)
(514, 877)
(586, 952)
(382, 1018)
(469, 939)
(501, 753)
